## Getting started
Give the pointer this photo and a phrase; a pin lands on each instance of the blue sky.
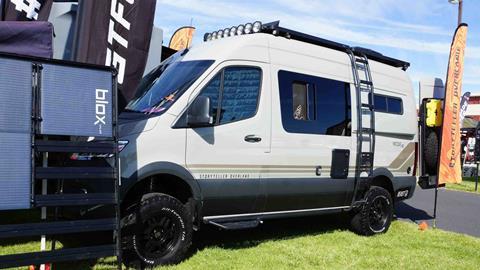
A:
(418, 31)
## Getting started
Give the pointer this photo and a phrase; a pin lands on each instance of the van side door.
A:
(311, 118)
(226, 158)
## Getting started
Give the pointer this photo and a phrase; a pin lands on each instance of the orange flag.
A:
(182, 38)
(449, 170)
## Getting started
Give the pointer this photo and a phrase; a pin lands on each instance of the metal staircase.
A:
(365, 122)
(52, 168)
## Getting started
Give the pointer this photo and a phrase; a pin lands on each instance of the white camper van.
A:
(263, 122)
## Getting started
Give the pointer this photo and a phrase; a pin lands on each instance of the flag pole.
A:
(435, 205)
(476, 179)
(2, 6)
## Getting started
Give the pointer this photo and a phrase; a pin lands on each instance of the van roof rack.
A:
(275, 29)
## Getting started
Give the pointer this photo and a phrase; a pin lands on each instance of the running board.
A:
(238, 225)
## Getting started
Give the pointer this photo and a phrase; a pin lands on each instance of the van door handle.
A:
(252, 138)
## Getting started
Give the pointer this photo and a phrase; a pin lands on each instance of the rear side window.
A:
(380, 103)
(394, 105)
(314, 105)
(388, 104)
(303, 108)
(234, 94)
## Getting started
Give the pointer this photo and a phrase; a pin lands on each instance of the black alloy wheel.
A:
(379, 213)
(375, 216)
(157, 236)
(161, 234)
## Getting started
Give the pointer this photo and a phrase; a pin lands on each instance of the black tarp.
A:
(27, 38)
(26, 10)
(117, 35)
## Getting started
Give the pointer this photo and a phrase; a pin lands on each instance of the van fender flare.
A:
(383, 172)
(162, 168)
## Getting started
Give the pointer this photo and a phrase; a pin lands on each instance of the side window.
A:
(241, 87)
(236, 89)
(212, 91)
(388, 104)
(380, 103)
(303, 101)
(395, 105)
(314, 105)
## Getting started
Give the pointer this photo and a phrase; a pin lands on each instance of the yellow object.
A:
(434, 115)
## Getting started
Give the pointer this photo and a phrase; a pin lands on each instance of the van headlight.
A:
(122, 145)
(89, 156)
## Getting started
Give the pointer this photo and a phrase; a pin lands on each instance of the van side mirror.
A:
(199, 113)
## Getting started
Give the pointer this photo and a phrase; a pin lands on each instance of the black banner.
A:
(116, 33)
(26, 10)
(27, 38)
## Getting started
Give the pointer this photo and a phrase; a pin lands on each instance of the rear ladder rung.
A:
(369, 106)
(366, 90)
(368, 130)
(366, 82)
(361, 60)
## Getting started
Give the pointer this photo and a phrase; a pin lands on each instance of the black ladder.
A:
(362, 78)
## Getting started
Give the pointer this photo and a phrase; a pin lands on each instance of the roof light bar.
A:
(243, 29)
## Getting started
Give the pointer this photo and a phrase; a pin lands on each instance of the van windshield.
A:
(159, 89)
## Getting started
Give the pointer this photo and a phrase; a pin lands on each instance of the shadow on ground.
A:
(211, 236)
(405, 211)
(269, 230)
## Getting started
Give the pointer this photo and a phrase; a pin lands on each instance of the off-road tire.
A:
(158, 217)
(364, 221)
(431, 152)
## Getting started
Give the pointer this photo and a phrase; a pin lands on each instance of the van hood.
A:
(131, 123)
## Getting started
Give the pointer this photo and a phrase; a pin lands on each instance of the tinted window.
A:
(237, 89)
(380, 103)
(327, 104)
(388, 104)
(395, 105)
(300, 101)
(240, 93)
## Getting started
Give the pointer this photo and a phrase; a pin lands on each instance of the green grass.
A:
(468, 184)
(315, 243)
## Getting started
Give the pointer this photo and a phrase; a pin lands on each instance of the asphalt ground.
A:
(457, 211)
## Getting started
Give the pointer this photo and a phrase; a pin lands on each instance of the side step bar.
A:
(239, 225)
(60, 255)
